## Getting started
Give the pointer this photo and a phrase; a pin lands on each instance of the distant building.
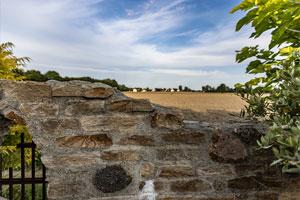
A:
(144, 90)
(134, 90)
(172, 90)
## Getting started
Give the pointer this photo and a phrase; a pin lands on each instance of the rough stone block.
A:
(80, 89)
(243, 183)
(147, 169)
(227, 147)
(85, 107)
(170, 118)
(130, 105)
(25, 91)
(178, 154)
(175, 171)
(289, 196)
(71, 160)
(65, 189)
(60, 125)
(195, 185)
(115, 155)
(15, 117)
(110, 123)
(140, 140)
(216, 170)
(85, 141)
(187, 137)
(39, 109)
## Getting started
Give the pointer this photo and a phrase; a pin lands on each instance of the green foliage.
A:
(9, 62)
(274, 94)
(17, 192)
(11, 155)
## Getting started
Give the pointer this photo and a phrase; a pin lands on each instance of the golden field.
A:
(197, 105)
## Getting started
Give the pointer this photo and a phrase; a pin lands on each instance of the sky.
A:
(139, 43)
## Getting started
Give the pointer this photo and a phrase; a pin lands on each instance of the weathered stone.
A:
(15, 117)
(147, 169)
(65, 189)
(216, 170)
(71, 160)
(195, 185)
(191, 137)
(289, 196)
(178, 154)
(111, 179)
(4, 126)
(80, 88)
(243, 183)
(249, 169)
(85, 141)
(66, 89)
(97, 90)
(140, 140)
(84, 107)
(227, 147)
(175, 171)
(25, 91)
(110, 123)
(131, 105)
(60, 125)
(171, 119)
(115, 155)
(39, 109)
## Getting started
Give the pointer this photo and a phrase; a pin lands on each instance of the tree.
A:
(279, 71)
(222, 88)
(9, 62)
(180, 87)
(52, 75)
(34, 75)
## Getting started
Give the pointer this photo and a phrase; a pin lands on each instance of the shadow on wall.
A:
(211, 116)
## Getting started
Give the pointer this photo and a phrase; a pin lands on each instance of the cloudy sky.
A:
(145, 43)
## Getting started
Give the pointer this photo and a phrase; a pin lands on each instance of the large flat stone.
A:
(175, 171)
(120, 155)
(139, 140)
(25, 91)
(131, 105)
(110, 123)
(39, 109)
(85, 141)
(85, 107)
(194, 185)
(71, 160)
(80, 89)
(65, 189)
(60, 125)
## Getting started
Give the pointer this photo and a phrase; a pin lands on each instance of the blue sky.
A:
(140, 43)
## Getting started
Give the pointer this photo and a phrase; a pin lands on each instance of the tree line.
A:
(35, 75)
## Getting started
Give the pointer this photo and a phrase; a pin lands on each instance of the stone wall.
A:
(97, 143)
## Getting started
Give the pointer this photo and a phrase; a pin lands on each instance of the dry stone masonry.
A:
(98, 144)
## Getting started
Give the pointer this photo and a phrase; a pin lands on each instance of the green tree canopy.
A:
(9, 63)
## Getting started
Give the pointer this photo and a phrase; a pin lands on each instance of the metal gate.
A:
(23, 181)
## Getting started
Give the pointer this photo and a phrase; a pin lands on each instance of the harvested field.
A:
(208, 107)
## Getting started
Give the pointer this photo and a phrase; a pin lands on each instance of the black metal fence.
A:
(11, 181)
